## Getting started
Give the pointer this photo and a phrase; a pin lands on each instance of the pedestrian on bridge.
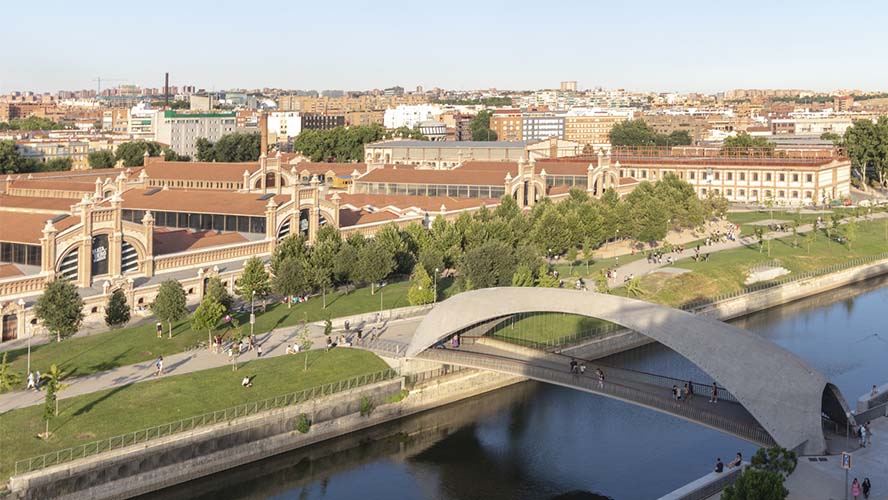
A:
(865, 486)
(855, 488)
(869, 433)
(600, 375)
(714, 397)
(690, 389)
(861, 432)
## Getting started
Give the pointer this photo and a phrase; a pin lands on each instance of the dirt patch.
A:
(85, 435)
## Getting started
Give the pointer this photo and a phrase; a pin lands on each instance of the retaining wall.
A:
(176, 459)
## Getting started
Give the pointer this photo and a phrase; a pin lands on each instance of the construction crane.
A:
(99, 81)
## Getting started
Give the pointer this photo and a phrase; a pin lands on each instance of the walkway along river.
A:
(533, 441)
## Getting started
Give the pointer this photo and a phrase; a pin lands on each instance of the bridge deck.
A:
(726, 415)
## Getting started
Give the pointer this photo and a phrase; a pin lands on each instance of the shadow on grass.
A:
(106, 365)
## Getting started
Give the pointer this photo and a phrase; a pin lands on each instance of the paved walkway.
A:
(273, 344)
(641, 267)
(643, 389)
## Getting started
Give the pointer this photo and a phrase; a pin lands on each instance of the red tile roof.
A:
(200, 171)
(198, 201)
(180, 240)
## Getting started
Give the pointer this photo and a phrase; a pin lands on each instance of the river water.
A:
(533, 441)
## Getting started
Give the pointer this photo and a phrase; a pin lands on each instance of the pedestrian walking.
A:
(600, 375)
(714, 397)
(31, 380)
(258, 351)
(37, 379)
(874, 392)
(865, 487)
(869, 433)
(158, 366)
(855, 489)
(861, 433)
(690, 389)
(231, 353)
(573, 366)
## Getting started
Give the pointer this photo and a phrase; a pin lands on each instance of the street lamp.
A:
(252, 312)
(436, 285)
(616, 235)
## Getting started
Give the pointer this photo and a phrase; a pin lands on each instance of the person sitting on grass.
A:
(246, 382)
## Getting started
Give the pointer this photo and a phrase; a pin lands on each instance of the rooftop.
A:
(200, 201)
(180, 240)
(450, 144)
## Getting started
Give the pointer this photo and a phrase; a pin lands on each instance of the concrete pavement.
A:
(273, 343)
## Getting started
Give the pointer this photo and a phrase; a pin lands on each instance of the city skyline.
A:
(464, 46)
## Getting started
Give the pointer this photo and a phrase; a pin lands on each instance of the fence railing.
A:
(414, 379)
(615, 388)
(872, 413)
(571, 338)
(198, 421)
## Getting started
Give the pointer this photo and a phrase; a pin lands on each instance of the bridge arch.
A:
(785, 395)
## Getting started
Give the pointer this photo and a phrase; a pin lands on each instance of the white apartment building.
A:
(182, 130)
(142, 120)
(284, 125)
(410, 115)
(537, 126)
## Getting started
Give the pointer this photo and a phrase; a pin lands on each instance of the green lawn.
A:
(746, 218)
(547, 327)
(134, 407)
(566, 270)
(103, 351)
(726, 271)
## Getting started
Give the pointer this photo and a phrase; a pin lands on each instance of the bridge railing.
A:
(614, 388)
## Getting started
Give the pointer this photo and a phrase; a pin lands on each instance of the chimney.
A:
(166, 90)
(263, 131)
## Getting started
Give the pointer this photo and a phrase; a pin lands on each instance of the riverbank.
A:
(182, 457)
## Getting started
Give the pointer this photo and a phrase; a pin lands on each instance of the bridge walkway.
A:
(647, 390)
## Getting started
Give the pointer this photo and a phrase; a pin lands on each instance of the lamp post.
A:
(436, 286)
(616, 235)
(252, 312)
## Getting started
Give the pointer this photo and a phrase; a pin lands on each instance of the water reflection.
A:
(534, 441)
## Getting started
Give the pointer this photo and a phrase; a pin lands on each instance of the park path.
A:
(273, 344)
(641, 267)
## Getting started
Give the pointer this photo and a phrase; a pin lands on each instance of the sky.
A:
(642, 45)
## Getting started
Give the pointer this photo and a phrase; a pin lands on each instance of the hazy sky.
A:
(357, 44)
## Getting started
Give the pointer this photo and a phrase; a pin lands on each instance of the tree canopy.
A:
(639, 133)
(133, 153)
(480, 127)
(169, 305)
(31, 123)
(867, 146)
(101, 159)
(745, 141)
(60, 308)
(117, 312)
(237, 147)
(342, 144)
(253, 281)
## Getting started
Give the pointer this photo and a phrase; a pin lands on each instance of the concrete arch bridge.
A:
(767, 395)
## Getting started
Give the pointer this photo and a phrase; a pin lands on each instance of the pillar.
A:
(337, 200)
(247, 180)
(590, 188)
(48, 249)
(148, 225)
(314, 219)
(271, 221)
(263, 166)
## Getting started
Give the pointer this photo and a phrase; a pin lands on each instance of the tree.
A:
(207, 316)
(54, 382)
(480, 127)
(523, 276)
(760, 236)
(851, 232)
(253, 281)
(57, 165)
(545, 279)
(744, 141)
(421, 288)
(375, 263)
(217, 290)
(102, 158)
(290, 278)
(133, 153)
(8, 378)
(756, 484)
(810, 238)
(236, 147)
(344, 264)
(490, 264)
(337, 144)
(633, 287)
(633, 133)
(304, 344)
(169, 305)
(117, 313)
(763, 480)
(49, 407)
(60, 308)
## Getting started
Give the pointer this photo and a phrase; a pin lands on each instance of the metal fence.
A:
(872, 413)
(616, 389)
(197, 421)
(564, 340)
(414, 379)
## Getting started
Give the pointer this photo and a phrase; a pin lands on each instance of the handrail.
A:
(609, 387)
(197, 421)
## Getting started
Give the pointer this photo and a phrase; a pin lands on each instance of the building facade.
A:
(182, 130)
(538, 126)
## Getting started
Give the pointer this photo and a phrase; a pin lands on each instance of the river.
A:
(533, 441)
